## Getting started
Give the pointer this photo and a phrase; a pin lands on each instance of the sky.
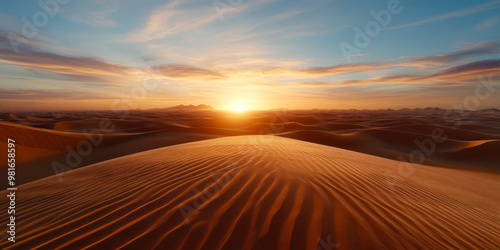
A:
(261, 54)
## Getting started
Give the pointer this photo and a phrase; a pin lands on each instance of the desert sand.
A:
(258, 192)
(259, 180)
(470, 141)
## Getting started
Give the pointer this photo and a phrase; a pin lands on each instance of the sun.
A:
(238, 108)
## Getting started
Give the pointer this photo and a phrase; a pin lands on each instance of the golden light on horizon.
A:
(238, 108)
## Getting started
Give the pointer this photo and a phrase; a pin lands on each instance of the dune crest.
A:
(257, 192)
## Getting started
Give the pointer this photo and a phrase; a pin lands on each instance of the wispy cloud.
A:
(35, 58)
(61, 64)
(171, 19)
(94, 18)
(296, 30)
(174, 17)
(487, 24)
(464, 74)
(36, 80)
(343, 68)
(458, 55)
(408, 61)
(318, 84)
(76, 69)
(32, 94)
(92, 12)
(183, 71)
(459, 13)
(260, 28)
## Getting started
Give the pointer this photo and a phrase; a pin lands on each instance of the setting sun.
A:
(238, 108)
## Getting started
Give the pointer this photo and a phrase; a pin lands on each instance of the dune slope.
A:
(257, 192)
(37, 149)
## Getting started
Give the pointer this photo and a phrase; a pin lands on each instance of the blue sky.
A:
(262, 53)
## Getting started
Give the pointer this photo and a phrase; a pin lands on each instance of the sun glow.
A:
(238, 108)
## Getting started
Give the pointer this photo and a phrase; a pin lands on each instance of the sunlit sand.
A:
(335, 181)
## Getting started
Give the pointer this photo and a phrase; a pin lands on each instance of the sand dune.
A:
(34, 143)
(37, 149)
(258, 192)
(488, 148)
(119, 126)
(44, 137)
(39, 138)
(475, 154)
(285, 127)
(460, 133)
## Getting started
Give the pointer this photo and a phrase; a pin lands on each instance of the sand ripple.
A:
(257, 192)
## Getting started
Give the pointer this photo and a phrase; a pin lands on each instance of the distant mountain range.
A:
(187, 107)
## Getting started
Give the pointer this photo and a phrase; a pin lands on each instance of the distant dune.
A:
(44, 138)
(258, 192)
(37, 149)
(182, 107)
(281, 179)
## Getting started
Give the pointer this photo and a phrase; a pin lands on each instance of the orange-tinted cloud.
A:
(466, 73)
(22, 94)
(443, 59)
(183, 71)
(71, 66)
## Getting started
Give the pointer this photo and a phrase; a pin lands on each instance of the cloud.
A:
(308, 72)
(90, 69)
(470, 70)
(87, 70)
(174, 17)
(462, 74)
(11, 39)
(183, 71)
(171, 19)
(343, 68)
(413, 61)
(318, 84)
(487, 24)
(71, 66)
(36, 80)
(91, 12)
(248, 31)
(247, 35)
(79, 68)
(476, 9)
(461, 54)
(22, 94)
(94, 18)
(260, 69)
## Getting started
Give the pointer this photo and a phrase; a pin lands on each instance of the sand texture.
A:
(258, 192)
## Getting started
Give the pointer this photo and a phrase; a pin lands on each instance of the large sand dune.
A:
(258, 192)
(470, 142)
